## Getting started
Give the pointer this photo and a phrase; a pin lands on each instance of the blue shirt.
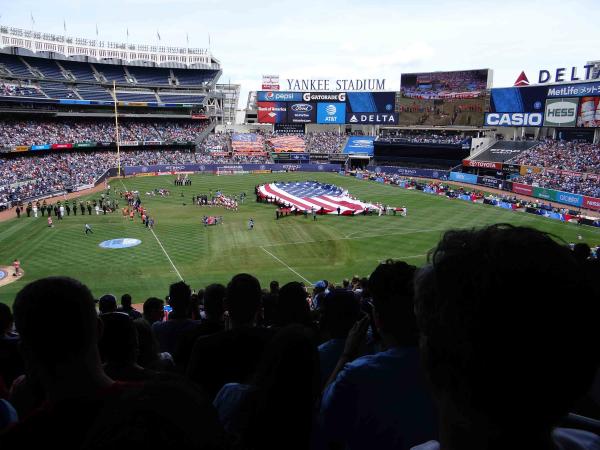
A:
(329, 354)
(380, 402)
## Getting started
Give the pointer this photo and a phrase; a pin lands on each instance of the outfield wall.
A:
(230, 168)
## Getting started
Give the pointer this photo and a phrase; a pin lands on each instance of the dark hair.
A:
(214, 296)
(119, 340)
(152, 304)
(6, 318)
(180, 298)
(391, 286)
(340, 310)
(243, 298)
(43, 304)
(508, 332)
(274, 286)
(292, 305)
(582, 251)
(107, 303)
(126, 300)
(287, 379)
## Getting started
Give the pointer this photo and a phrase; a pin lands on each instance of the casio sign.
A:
(514, 119)
(302, 107)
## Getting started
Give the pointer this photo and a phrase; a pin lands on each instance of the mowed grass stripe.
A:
(332, 247)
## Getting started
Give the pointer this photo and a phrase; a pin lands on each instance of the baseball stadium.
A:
(189, 261)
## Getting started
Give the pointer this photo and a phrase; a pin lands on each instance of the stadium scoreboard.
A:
(333, 108)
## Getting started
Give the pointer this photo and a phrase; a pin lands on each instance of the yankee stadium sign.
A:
(325, 84)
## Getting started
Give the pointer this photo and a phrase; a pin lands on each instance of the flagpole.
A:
(117, 130)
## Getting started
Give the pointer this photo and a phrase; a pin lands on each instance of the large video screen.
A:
(444, 98)
(338, 108)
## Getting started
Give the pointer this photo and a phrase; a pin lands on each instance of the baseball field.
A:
(292, 248)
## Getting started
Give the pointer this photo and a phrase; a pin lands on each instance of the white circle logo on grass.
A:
(120, 243)
(2, 274)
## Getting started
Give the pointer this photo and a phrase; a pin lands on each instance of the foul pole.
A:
(117, 130)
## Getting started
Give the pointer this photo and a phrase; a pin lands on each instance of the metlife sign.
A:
(372, 118)
(331, 113)
(514, 119)
(561, 112)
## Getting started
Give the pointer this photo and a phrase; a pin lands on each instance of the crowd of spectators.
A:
(27, 176)
(73, 130)
(216, 142)
(574, 156)
(405, 358)
(566, 182)
(12, 90)
(325, 142)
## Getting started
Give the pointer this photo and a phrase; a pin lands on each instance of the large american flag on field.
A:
(310, 195)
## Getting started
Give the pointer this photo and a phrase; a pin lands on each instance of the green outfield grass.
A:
(293, 248)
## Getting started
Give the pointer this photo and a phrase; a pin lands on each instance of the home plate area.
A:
(313, 196)
(6, 275)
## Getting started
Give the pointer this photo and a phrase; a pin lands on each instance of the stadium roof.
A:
(42, 44)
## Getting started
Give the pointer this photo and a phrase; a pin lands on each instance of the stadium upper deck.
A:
(37, 66)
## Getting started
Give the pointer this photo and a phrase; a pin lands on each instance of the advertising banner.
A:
(561, 112)
(411, 172)
(371, 102)
(463, 177)
(130, 143)
(331, 113)
(270, 96)
(287, 156)
(523, 189)
(574, 90)
(134, 170)
(84, 144)
(372, 118)
(41, 147)
(272, 112)
(530, 99)
(61, 146)
(513, 119)
(591, 203)
(490, 182)
(270, 82)
(359, 144)
(589, 112)
(568, 198)
(546, 194)
(289, 128)
(529, 169)
(302, 113)
(482, 164)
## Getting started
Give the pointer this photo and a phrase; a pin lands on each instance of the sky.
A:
(340, 39)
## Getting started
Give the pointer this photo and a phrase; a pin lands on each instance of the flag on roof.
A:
(310, 195)
(522, 80)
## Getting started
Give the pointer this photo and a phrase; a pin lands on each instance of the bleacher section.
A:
(81, 71)
(15, 66)
(150, 76)
(112, 73)
(194, 77)
(502, 151)
(94, 93)
(46, 67)
(287, 143)
(136, 97)
(56, 90)
(249, 144)
(181, 98)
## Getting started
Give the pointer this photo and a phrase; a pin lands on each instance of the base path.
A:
(7, 275)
